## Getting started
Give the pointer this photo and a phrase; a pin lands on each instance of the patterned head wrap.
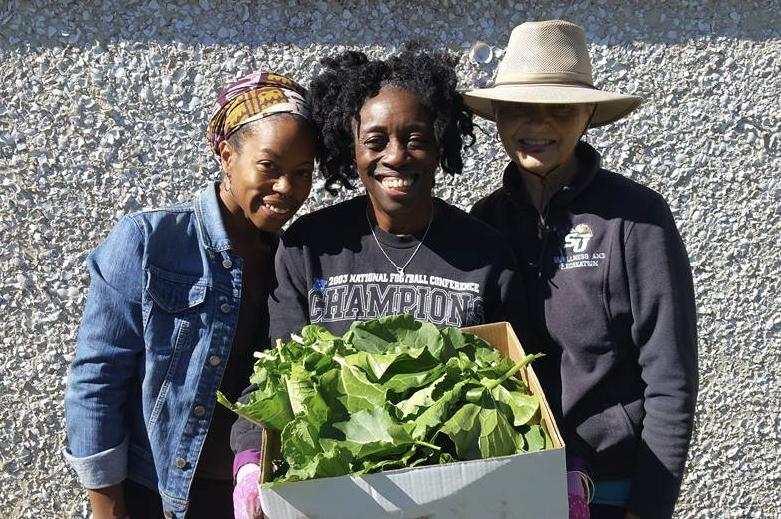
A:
(250, 98)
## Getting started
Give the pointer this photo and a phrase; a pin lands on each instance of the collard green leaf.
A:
(317, 410)
(300, 442)
(454, 338)
(494, 371)
(516, 384)
(290, 352)
(373, 364)
(536, 438)
(446, 457)
(328, 390)
(270, 408)
(523, 407)
(395, 334)
(313, 333)
(299, 387)
(489, 357)
(425, 397)
(373, 433)
(438, 412)
(420, 400)
(459, 363)
(357, 392)
(463, 429)
(267, 370)
(497, 435)
(318, 363)
(471, 346)
(331, 463)
(401, 383)
(410, 458)
(481, 431)
(381, 366)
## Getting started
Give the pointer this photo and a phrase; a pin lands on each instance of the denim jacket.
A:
(155, 336)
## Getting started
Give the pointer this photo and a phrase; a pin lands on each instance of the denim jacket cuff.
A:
(102, 469)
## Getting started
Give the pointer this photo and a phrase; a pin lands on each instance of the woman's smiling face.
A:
(270, 171)
(541, 137)
(396, 156)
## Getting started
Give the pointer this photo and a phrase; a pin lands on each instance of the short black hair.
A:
(338, 93)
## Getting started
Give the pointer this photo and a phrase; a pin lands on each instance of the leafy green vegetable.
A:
(300, 441)
(523, 407)
(425, 397)
(373, 433)
(430, 419)
(334, 462)
(403, 335)
(390, 393)
(357, 392)
(482, 431)
(269, 406)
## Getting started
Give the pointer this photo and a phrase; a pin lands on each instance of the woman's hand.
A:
(630, 515)
(246, 493)
(108, 502)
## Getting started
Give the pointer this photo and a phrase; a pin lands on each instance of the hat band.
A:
(545, 78)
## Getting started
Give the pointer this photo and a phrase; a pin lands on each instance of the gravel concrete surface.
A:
(103, 109)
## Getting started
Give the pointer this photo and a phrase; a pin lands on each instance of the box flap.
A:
(271, 449)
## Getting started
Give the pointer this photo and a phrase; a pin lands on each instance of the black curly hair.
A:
(339, 92)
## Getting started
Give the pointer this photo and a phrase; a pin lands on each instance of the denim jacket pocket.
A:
(171, 299)
(173, 292)
(173, 304)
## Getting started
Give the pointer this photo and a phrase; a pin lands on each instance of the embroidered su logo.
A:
(577, 239)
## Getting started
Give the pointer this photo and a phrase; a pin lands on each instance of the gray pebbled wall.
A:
(103, 109)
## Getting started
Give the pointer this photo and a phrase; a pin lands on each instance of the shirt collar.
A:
(588, 166)
(211, 228)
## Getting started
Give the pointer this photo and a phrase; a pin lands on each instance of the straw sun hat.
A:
(548, 62)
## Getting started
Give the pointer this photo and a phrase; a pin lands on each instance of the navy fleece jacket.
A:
(611, 303)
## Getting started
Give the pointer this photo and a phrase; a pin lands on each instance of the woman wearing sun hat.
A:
(609, 283)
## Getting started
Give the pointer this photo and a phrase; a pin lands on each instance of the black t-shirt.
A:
(331, 270)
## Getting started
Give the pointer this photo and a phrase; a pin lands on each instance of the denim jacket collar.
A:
(211, 228)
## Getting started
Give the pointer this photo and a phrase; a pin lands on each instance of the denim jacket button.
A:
(227, 263)
(180, 463)
(214, 360)
(225, 307)
(199, 411)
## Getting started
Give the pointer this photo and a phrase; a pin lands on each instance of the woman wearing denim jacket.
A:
(176, 304)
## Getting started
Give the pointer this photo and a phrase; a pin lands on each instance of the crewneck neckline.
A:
(409, 241)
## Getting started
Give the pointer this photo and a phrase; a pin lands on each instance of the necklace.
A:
(399, 269)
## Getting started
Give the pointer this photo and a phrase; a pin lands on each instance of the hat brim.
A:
(610, 106)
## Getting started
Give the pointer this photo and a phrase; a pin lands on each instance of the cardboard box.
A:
(529, 485)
